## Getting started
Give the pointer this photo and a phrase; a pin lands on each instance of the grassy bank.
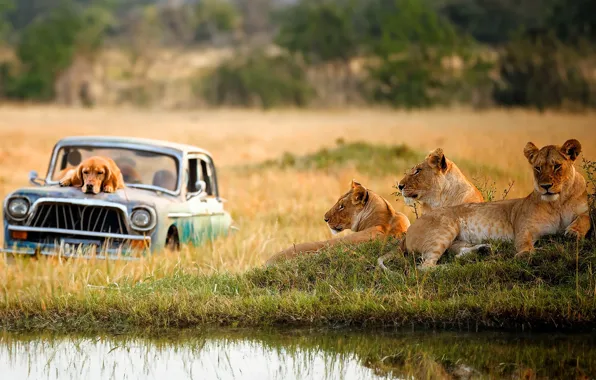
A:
(555, 290)
(279, 201)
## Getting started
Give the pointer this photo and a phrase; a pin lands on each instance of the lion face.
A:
(553, 168)
(347, 207)
(423, 180)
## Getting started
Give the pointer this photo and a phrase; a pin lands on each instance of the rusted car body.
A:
(171, 199)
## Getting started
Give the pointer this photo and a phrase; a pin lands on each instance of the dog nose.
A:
(546, 186)
(400, 186)
(89, 187)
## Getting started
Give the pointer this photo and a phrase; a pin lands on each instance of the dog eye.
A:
(100, 173)
(557, 167)
(537, 168)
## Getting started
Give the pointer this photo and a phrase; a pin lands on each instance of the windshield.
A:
(138, 167)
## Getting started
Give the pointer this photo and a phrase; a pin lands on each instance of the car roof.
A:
(184, 148)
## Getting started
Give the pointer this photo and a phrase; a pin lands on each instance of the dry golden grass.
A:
(273, 208)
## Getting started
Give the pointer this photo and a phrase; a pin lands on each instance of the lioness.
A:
(437, 182)
(559, 203)
(361, 210)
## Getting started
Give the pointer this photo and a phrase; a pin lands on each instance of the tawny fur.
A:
(438, 182)
(361, 210)
(559, 203)
(94, 175)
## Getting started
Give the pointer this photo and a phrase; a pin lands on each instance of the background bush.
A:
(257, 80)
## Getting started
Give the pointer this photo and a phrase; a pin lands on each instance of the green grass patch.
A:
(556, 289)
(371, 159)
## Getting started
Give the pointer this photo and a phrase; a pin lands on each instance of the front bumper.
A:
(80, 244)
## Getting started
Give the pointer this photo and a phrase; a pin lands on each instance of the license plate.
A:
(73, 248)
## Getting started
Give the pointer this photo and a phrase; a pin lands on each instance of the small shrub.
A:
(257, 80)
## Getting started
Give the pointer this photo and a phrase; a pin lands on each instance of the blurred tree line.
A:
(412, 53)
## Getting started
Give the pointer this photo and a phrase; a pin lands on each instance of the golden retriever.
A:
(94, 175)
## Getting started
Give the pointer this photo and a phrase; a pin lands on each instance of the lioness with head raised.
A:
(559, 203)
(437, 182)
(361, 210)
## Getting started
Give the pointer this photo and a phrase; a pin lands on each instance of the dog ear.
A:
(572, 148)
(77, 177)
(530, 151)
(359, 193)
(113, 176)
(436, 159)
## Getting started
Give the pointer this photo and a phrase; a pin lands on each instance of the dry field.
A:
(273, 208)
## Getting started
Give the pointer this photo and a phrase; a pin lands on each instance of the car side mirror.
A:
(201, 187)
(35, 180)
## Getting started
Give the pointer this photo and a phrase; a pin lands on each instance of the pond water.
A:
(298, 354)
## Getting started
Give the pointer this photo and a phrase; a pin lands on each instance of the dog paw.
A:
(108, 189)
(64, 182)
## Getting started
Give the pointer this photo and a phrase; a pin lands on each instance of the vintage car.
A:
(171, 198)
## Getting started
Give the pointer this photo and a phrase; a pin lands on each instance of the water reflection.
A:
(298, 354)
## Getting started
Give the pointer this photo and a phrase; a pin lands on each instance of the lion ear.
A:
(530, 151)
(436, 159)
(359, 192)
(572, 148)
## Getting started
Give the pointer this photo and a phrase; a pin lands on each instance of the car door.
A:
(195, 224)
(219, 223)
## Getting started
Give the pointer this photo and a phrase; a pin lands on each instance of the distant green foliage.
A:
(410, 40)
(319, 30)
(48, 46)
(542, 72)
(215, 16)
(257, 80)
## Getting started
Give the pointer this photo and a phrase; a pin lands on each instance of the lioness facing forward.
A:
(437, 182)
(361, 210)
(559, 203)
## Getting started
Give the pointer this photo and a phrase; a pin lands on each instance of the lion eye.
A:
(416, 171)
(537, 168)
(557, 167)
(341, 207)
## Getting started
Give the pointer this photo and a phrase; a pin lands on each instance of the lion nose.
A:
(400, 186)
(326, 220)
(546, 186)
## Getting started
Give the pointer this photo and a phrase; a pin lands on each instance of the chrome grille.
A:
(78, 217)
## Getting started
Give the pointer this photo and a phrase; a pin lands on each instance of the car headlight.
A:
(18, 208)
(141, 219)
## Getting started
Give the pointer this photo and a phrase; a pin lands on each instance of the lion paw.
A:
(523, 255)
(573, 233)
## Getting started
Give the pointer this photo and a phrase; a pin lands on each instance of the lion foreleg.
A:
(579, 228)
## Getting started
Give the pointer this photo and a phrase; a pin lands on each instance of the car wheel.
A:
(172, 240)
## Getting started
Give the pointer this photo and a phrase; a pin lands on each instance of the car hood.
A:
(129, 197)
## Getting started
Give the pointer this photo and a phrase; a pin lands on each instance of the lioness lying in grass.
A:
(559, 203)
(437, 182)
(361, 210)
